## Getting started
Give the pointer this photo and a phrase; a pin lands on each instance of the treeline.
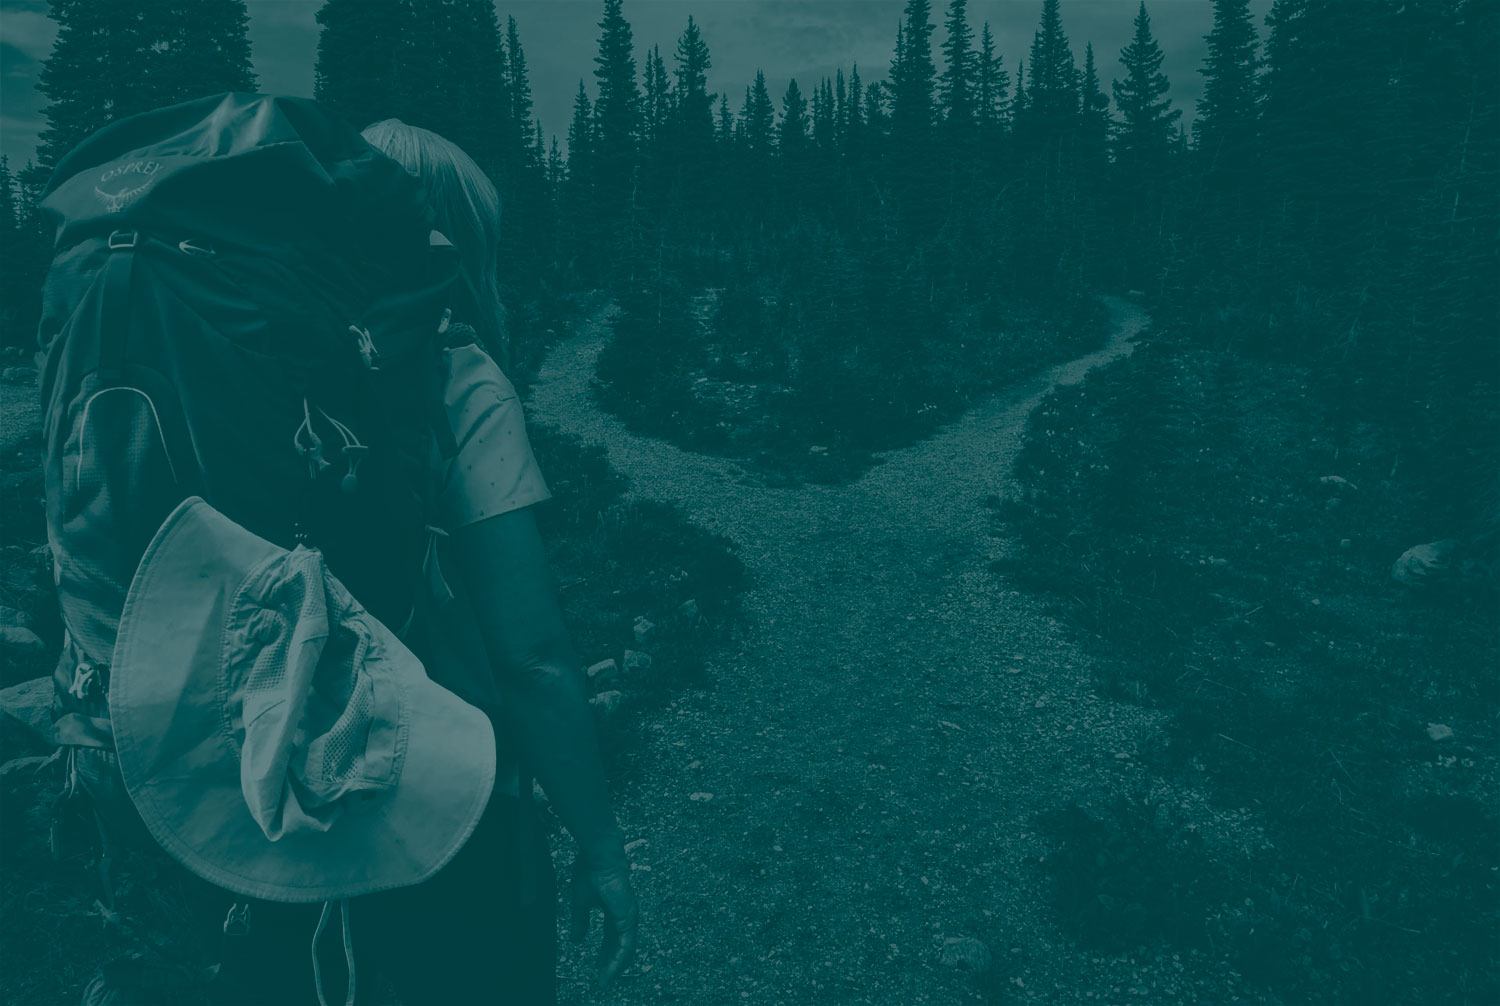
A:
(874, 239)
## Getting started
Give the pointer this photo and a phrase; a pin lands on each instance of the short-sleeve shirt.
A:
(494, 470)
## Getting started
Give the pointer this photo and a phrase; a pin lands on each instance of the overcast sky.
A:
(805, 39)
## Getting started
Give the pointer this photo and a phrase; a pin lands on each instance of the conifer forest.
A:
(1070, 521)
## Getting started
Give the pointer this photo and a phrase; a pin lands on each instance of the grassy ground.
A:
(1321, 808)
(828, 426)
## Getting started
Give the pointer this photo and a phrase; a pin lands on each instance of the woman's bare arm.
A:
(504, 566)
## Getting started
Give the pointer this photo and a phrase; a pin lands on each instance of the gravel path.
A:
(877, 746)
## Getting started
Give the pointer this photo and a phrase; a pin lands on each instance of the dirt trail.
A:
(878, 744)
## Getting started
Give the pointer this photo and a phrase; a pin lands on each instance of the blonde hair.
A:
(466, 209)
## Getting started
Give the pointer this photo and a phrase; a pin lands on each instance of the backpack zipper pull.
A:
(365, 343)
(83, 676)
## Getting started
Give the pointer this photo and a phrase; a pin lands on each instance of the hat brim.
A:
(180, 763)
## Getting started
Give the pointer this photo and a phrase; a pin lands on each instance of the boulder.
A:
(644, 629)
(636, 661)
(1424, 564)
(17, 640)
(29, 705)
(688, 610)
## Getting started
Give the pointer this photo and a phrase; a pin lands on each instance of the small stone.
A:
(1439, 731)
(700, 797)
(1338, 482)
(1345, 544)
(636, 661)
(606, 704)
(644, 629)
(603, 672)
(966, 954)
(639, 843)
(817, 449)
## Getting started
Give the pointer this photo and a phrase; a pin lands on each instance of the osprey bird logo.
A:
(117, 200)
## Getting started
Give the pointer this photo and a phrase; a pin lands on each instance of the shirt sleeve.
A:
(494, 470)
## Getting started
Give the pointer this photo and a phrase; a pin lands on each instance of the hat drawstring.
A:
(343, 904)
(311, 447)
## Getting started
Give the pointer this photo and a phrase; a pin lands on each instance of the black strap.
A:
(114, 313)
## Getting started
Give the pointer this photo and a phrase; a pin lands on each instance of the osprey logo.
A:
(130, 180)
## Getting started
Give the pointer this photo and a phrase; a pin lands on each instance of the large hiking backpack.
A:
(243, 305)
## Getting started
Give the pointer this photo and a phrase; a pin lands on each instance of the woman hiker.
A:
(356, 792)
(483, 929)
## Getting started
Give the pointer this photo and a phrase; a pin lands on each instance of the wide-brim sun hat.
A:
(277, 739)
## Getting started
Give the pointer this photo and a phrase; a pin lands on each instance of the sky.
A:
(801, 39)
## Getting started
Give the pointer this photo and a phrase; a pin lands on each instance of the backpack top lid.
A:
(247, 169)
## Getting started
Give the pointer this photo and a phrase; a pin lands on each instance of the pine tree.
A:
(557, 167)
(15, 265)
(824, 117)
(579, 220)
(1144, 137)
(992, 85)
(724, 133)
(110, 60)
(1020, 104)
(357, 69)
(657, 105)
(913, 105)
(1093, 113)
(855, 117)
(204, 48)
(454, 81)
(1051, 105)
(580, 135)
(517, 79)
(1224, 127)
(960, 71)
(759, 120)
(792, 138)
(617, 115)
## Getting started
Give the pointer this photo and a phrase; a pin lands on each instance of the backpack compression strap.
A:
(114, 317)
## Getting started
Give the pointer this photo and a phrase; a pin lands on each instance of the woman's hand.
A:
(606, 886)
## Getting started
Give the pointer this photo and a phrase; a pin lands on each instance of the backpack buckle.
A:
(123, 240)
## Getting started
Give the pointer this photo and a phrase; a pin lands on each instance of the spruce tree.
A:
(724, 132)
(111, 60)
(357, 72)
(792, 133)
(518, 82)
(204, 48)
(1051, 103)
(913, 105)
(1225, 124)
(454, 81)
(1093, 113)
(15, 265)
(617, 115)
(991, 86)
(960, 71)
(759, 119)
(1144, 137)
(657, 105)
(579, 218)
